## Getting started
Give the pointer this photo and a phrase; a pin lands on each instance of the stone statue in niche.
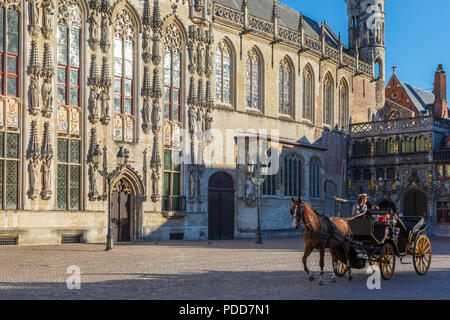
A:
(201, 59)
(201, 118)
(34, 17)
(192, 54)
(208, 119)
(209, 62)
(33, 172)
(156, 116)
(47, 13)
(104, 33)
(93, 104)
(34, 96)
(93, 31)
(155, 183)
(146, 55)
(93, 182)
(192, 182)
(192, 120)
(46, 179)
(146, 115)
(47, 98)
(104, 100)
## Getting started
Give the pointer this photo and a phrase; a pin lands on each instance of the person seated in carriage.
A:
(359, 206)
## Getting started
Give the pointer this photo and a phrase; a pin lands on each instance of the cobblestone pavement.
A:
(236, 269)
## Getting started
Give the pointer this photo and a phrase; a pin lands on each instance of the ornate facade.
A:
(165, 80)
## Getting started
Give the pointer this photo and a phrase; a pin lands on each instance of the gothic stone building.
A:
(402, 158)
(148, 76)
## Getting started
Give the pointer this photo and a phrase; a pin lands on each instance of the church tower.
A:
(366, 28)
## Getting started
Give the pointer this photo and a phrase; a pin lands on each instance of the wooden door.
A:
(415, 204)
(220, 207)
(121, 213)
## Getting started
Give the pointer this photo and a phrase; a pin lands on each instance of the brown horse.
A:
(302, 214)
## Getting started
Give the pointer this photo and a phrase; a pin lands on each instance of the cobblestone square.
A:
(237, 269)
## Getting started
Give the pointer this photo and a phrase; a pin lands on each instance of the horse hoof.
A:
(349, 278)
(333, 280)
(311, 278)
(320, 282)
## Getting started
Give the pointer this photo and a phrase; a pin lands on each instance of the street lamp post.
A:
(258, 181)
(110, 176)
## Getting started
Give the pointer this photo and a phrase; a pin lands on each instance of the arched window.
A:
(314, 178)
(9, 51)
(223, 73)
(68, 35)
(308, 94)
(328, 100)
(293, 172)
(252, 80)
(172, 114)
(68, 52)
(123, 85)
(285, 88)
(343, 104)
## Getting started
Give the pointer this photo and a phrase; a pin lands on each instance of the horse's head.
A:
(297, 212)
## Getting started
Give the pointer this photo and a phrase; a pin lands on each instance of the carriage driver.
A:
(359, 206)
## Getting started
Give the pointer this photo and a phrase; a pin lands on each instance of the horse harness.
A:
(331, 234)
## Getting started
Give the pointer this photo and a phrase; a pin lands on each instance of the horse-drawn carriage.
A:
(380, 243)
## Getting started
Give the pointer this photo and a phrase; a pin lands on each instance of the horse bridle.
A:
(299, 219)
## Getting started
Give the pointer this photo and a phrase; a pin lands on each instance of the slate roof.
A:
(422, 100)
(288, 18)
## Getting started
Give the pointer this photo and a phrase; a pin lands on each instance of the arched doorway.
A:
(122, 208)
(127, 195)
(220, 207)
(415, 203)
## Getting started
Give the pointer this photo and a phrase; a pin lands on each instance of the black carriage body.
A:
(368, 238)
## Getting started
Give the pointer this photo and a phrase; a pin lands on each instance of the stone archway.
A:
(415, 203)
(128, 194)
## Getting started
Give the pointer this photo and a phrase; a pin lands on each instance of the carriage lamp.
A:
(121, 155)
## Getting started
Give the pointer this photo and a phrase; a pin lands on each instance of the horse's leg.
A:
(347, 257)
(333, 263)
(321, 263)
(308, 250)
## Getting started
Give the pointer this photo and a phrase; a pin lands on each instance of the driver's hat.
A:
(362, 196)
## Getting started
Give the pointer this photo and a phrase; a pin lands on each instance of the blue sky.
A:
(417, 34)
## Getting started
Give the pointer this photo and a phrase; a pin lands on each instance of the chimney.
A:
(440, 93)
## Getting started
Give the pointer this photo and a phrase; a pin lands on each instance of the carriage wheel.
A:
(422, 255)
(341, 268)
(387, 261)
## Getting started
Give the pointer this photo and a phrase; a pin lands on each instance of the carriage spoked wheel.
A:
(341, 268)
(422, 255)
(387, 261)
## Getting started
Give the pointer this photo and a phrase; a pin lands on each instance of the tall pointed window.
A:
(9, 51)
(343, 104)
(308, 94)
(252, 80)
(314, 178)
(68, 35)
(285, 88)
(223, 73)
(293, 175)
(328, 100)
(123, 81)
(68, 39)
(172, 200)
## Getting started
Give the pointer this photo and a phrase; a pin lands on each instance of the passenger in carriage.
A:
(359, 206)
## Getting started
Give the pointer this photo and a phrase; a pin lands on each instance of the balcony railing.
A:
(441, 155)
(173, 203)
(401, 125)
